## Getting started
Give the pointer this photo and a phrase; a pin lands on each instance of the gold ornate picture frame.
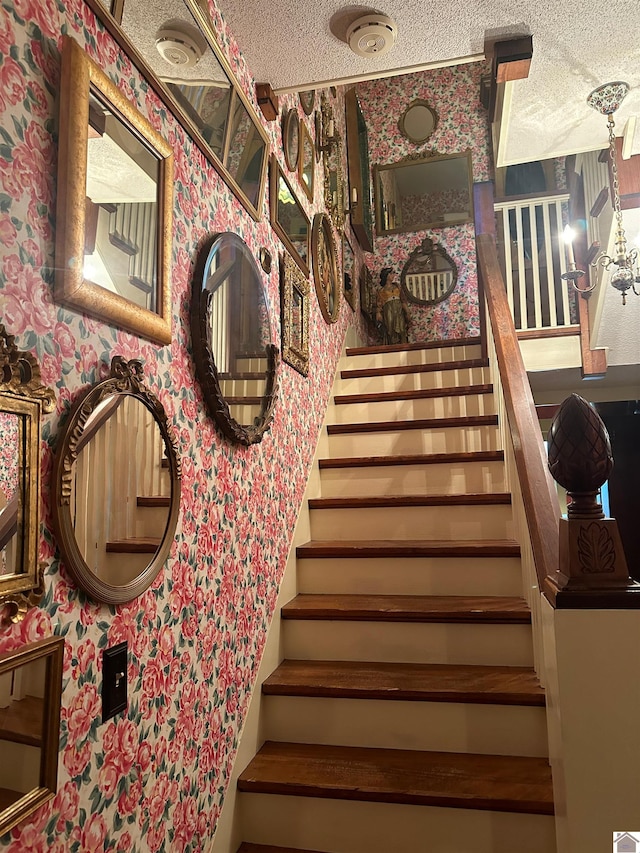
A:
(325, 267)
(294, 292)
(83, 84)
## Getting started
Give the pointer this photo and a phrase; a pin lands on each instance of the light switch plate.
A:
(114, 680)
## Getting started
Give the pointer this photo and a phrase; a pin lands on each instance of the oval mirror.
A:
(116, 487)
(291, 139)
(307, 100)
(236, 360)
(325, 267)
(429, 276)
(418, 121)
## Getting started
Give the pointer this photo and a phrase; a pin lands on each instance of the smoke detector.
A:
(372, 35)
(179, 45)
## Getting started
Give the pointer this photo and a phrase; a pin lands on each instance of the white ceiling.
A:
(578, 45)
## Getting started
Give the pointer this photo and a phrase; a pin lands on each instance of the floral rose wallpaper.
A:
(151, 779)
(462, 123)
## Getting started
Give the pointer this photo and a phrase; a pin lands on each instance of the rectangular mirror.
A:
(294, 289)
(30, 692)
(426, 192)
(360, 208)
(349, 276)
(174, 46)
(115, 205)
(306, 161)
(288, 218)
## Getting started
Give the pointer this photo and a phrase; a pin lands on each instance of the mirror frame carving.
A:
(205, 363)
(292, 278)
(322, 225)
(203, 23)
(52, 650)
(22, 393)
(417, 102)
(79, 73)
(290, 119)
(428, 247)
(274, 180)
(125, 378)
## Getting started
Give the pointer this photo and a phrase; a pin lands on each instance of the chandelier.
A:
(606, 100)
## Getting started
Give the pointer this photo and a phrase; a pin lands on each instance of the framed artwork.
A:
(306, 161)
(288, 218)
(294, 291)
(325, 267)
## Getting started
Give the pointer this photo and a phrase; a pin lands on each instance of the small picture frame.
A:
(294, 292)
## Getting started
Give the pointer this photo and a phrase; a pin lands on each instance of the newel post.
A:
(591, 561)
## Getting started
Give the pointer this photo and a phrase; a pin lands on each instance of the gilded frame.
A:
(126, 378)
(326, 275)
(79, 74)
(332, 156)
(274, 181)
(293, 280)
(23, 394)
(52, 650)
(204, 24)
(417, 102)
(306, 161)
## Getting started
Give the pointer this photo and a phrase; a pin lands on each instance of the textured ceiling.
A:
(578, 44)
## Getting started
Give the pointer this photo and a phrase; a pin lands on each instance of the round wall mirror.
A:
(116, 487)
(291, 139)
(429, 275)
(236, 360)
(418, 121)
(307, 100)
(325, 267)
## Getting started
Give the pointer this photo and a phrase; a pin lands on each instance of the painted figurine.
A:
(391, 309)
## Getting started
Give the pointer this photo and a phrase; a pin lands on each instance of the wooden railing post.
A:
(592, 563)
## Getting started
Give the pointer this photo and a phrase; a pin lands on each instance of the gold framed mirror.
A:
(23, 398)
(294, 290)
(288, 218)
(30, 694)
(115, 205)
(175, 47)
(417, 193)
(349, 272)
(325, 267)
(418, 122)
(291, 139)
(306, 161)
(116, 486)
(236, 360)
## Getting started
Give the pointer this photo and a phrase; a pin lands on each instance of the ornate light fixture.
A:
(606, 100)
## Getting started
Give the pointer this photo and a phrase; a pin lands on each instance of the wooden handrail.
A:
(538, 491)
(9, 519)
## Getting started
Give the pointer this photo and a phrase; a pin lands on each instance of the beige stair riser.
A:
(437, 726)
(401, 442)
(426, 356)
(120, 569)
(244, 414)
(360, 827)
(411, 576)
(242, 387)
(249, 365)
(441, 479)
(413, 381)
(405, 410)
(151, 521)
(413, 522)
(435, 642)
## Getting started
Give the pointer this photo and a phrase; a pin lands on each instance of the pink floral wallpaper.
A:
(153, 778)
(462, 124)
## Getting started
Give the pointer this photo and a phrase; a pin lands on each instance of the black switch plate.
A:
(114, 681)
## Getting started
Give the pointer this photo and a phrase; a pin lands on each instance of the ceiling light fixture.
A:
(606, 100)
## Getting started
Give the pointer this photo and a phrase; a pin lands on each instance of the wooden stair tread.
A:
(413, 459)
(269, 848)
(503, 685)
(242, 375)
(458, 780)
(133, 546)
(410, 548)
(401, 369)
(153, 500)
(408, 608)
(22, 721)
(422, 394)
(244, 401)
(422, 424)
(466, 499)
(419, 345)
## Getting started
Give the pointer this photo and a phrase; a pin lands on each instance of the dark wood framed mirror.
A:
(116, 486)
(23, 399)
(307, 100)
(306, 161)
(30, 695)
(235, 357)
(417, 193)
(325, 267)
(174, 46)
(291, 139)
(294, 291)
(360, 207)
(288, 218)
(429, 275)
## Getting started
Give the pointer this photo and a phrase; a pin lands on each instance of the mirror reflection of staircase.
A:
(406, 714)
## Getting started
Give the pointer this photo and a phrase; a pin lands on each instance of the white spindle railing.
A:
(429, 286)
(533, 260)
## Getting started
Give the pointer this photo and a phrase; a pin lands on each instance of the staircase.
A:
(406, 715)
